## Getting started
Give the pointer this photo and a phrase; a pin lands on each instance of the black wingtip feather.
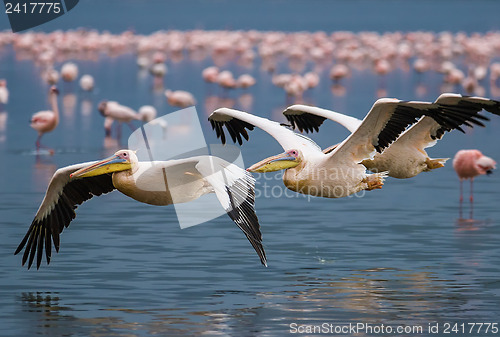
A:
(462, 110)
(242, 212)
(237, 130)
(45, 230)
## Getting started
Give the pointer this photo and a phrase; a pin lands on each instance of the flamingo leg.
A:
(38, 145)
(119, 131)
(461, 191)
(471, 190)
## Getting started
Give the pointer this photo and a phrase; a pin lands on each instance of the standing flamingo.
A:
(87, 82)
(46, 121)
(180, 98)
(4, 93)
(69, 72)
(469, 164)
(114, 111)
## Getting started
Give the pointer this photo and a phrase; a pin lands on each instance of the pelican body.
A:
(406, 157)
(158, 183)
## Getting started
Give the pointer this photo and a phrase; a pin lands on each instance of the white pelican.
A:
(339, 173)
(406, 157)
(188, 179)
(46, 120)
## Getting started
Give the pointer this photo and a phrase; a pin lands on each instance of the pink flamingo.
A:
(339, 71)
(4, 93)
(209, 74)
(226, 80)
(469, 164)
(245, 81)
(180, 98)
(69, 72)
(51, 76)
(46, 121)
(87, 82)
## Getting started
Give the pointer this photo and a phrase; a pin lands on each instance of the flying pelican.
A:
(46, 121)
(339, 173)
(406, 157)
(188, 179)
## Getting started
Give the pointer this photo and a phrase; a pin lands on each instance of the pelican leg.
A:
(374, 181)
(435, 163)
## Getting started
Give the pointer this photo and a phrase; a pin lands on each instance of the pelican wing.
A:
(462, 110)
(383, 124)
(422, 134)
(237, 122)
(58, 209)
(458, 110)
(309, 119)
(235, 189)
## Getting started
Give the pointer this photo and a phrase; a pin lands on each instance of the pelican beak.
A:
(275, 163)
(108, 165)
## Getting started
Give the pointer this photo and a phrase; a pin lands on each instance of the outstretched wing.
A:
(309, 118)
(383, 124)
(459, 110)
(235, 189)
(58, 209)
(237, 122)
(463, 110)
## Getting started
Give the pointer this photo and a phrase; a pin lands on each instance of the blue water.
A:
(402, 256)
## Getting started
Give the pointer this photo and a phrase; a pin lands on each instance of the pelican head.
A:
(282, 161)
(121, 161)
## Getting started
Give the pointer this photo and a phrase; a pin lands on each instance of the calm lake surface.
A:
(402, 256)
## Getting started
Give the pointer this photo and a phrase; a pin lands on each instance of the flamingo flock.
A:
(389, 142)
(337, 53)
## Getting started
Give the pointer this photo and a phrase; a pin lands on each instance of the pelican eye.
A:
(293, 153)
